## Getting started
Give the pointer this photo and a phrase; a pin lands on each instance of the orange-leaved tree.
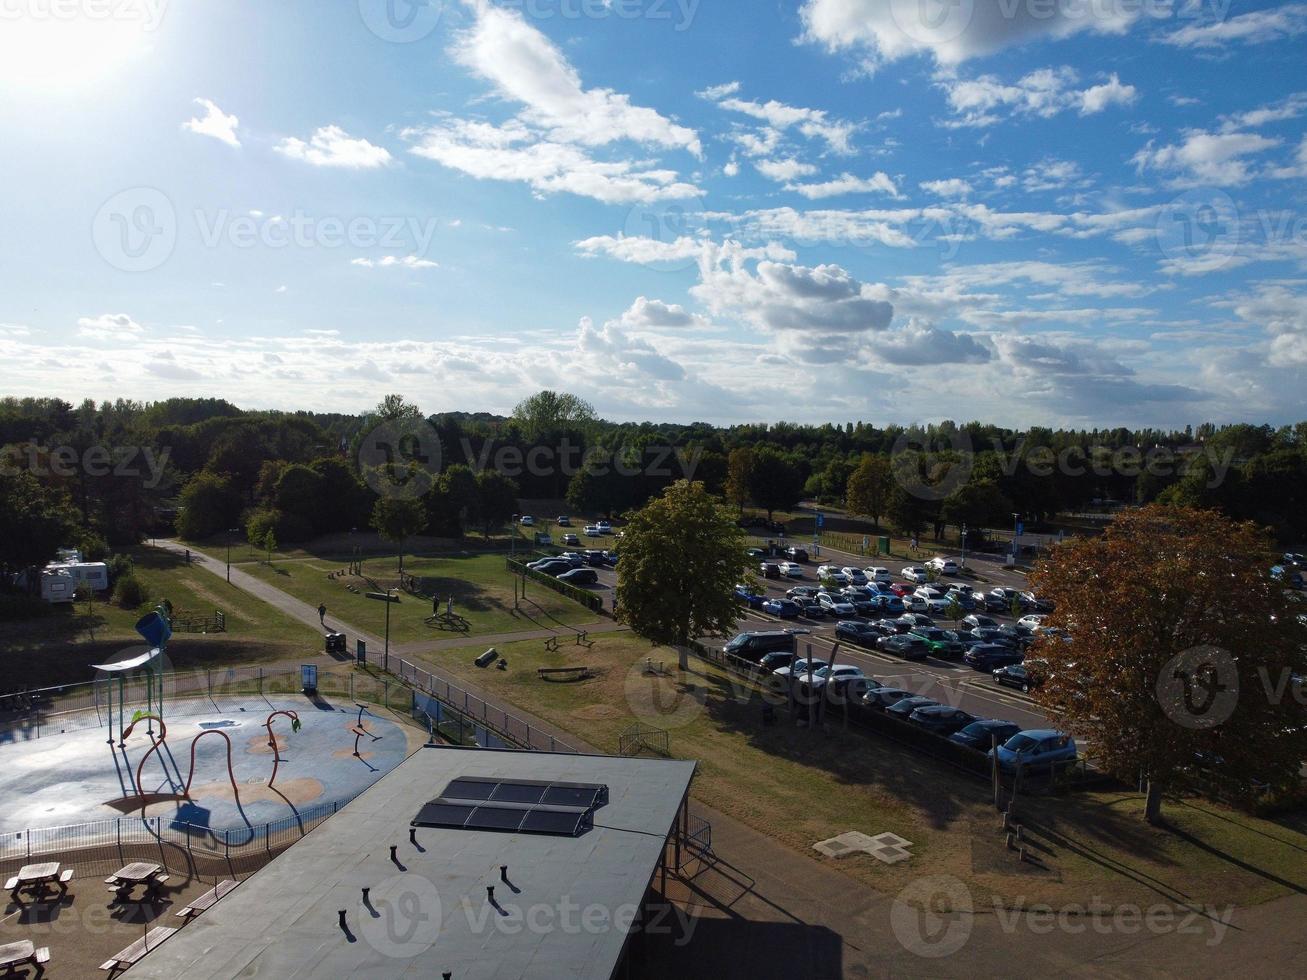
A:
(1179, 652)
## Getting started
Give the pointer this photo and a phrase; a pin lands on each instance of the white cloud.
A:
(109, 326)
(1290, 107)
(526, 67)
(715, 92)
(882, 31)
(812, 123)
(878, 183)
(214, 123)
(732, 169)
(921, 343)
(783, 171)
(331, 146)
(953, 187)
(1297, 169)
(653, 314)
(1257, 27)
(394, 261)
(1205, 158)
(985, 100)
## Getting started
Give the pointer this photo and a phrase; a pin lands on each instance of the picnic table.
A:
(36, 877)
(124, 958)
(122, 881)
(22, 954)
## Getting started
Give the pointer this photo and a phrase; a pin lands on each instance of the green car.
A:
(942, 643)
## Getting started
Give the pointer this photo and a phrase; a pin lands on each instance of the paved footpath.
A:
(764, 910)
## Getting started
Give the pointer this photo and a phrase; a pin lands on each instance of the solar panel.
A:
(442, 813)
(557, 820)
(470, 788)
(575, 794)
(520, 792)
(525, 805)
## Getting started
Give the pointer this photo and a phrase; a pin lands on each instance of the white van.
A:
(92, 574)
(57, 586)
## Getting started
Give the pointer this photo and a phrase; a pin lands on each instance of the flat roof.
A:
(565, 912)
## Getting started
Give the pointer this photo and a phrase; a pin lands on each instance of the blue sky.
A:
(1083, 212)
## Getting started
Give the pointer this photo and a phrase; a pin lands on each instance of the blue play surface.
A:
(78, 777)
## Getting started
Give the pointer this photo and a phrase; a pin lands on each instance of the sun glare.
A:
(44, 56)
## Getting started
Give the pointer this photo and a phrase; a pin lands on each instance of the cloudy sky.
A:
(1083, 212)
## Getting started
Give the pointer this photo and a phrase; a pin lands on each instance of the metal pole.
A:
(385, 662)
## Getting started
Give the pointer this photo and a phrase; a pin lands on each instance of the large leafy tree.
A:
(978, 504)
(397, 519)
(209, 503)
(867, 494)
(35, 521)
(775, 482)
(739, 473)
(682, 556)
(547, 415)
(1179, 647)
(496, 500)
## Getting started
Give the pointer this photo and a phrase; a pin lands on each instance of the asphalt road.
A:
(943, 680)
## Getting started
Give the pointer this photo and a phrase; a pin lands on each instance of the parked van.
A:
(57, 586)
(755, 646)
(93, 574)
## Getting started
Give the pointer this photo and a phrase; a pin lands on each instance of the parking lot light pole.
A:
(964, 546)
(1016, 522)
(230, 532)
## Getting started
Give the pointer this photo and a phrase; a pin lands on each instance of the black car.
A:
(997, 604)
(797, 554)
(856, 631)
(976, 621)
(893, 626)
(980, 733)
(811, 608)
(904, 645)
(580, 576)
(556, 567)
(801, 592)
(941, 719)
(991, 656)
(775, 661)
(985, 634)
(770, 570)
(1015, 675)
(902, 710)
(595, 558)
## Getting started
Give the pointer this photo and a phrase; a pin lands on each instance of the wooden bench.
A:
(564, 673)
(124, 958)
(123, 888)
(20, 955)
(207, 900)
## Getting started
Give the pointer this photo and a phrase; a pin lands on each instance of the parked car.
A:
(749, 596)
(832, 574)
(914, 603)
(784, 608)
(564, 521)
(1003, 598)
(526, 520)
(812, 609)
(571, 540)
(980, 734)
(580, 576)
(776, 660)
(892, 627)
(595, 558)
(770, 570)
(555, 568)
(799, 668)
(837, 673)
(996, 603)
(1036, 603)
(941, 643)
(945, 566)
(965, 600)
(929, 592)
(986, 634)
(756, 554)
(802, 592)
(878, 574)
(1032, 621)
(889, 604)
(902, 589)
(914, 620)
(835, 605)
(990, 656)
(880, 698)
(857, 631)
(974, 621)
(1015, 675)
(754, 646)
(902, 710)
(791, 569)
(915, 573)
(592, 531)
(1041, 747)
(604, 527)
(854, 575)
(904, 645)
(797, 554)
(941, 719)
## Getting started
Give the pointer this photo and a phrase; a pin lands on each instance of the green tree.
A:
(496, 500)
(35, 521)
(394, 407)
(301, 491)
(905, 510)
(209, 504)
(397, 520)
(739, 474)
(867, 494)
(977, 504)
(682, 556)
(775, 483)
(1181, 658)
(547, 415)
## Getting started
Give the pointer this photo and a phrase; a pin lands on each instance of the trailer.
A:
(57, 586)
(93, 575)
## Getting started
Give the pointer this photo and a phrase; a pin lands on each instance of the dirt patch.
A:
(594, 712)
(299, 791)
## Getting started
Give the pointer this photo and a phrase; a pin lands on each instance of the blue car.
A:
(1035, 749)
(750, 598)
(888, 604)
(784, 608)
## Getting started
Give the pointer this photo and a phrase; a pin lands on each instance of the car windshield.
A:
(1021, 743)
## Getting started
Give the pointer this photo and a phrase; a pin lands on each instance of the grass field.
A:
(802, 786)
(480, 584)
(57, 649)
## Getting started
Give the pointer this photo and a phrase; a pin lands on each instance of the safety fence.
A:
(588, 599)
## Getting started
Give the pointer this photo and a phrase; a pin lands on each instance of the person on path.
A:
(322, 614)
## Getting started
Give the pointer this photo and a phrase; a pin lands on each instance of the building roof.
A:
(565, 910)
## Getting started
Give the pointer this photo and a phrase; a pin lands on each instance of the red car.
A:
(901, 589)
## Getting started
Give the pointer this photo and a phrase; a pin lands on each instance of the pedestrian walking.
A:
(322, 613)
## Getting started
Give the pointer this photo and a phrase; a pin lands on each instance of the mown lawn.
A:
(59, 648)
(801, 786)
(480, 584)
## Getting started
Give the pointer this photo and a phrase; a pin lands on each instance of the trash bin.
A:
(335, 643)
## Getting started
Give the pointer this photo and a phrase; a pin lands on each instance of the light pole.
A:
(1016, 523)
(230, 532)
(964, 546)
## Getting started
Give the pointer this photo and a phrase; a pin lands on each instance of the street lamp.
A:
(230, 532)
(1016, 524)
(964, 546)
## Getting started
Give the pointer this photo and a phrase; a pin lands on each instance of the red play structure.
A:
(272, 741)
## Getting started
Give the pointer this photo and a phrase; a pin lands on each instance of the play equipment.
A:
(230, 772)
(156, 629)
(360, 731)
(163, 736)
(272, 741)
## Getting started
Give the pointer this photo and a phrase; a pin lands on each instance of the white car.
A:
(1033, 621)
(791, 569)
(592, 531)
(916, 604)
(798, 667)
(839, 671)
(832, 573)
(835, 605)
(604, 527)
(878, 574)
(915, 573)
(854, 575)
(929, 593)
(527, 521)
(945, 566)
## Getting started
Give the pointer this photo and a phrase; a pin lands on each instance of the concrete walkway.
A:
(764, 910)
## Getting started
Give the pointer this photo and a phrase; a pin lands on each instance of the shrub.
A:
(120, 565)
(14, 608)
(94, 547)
(129, 593)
